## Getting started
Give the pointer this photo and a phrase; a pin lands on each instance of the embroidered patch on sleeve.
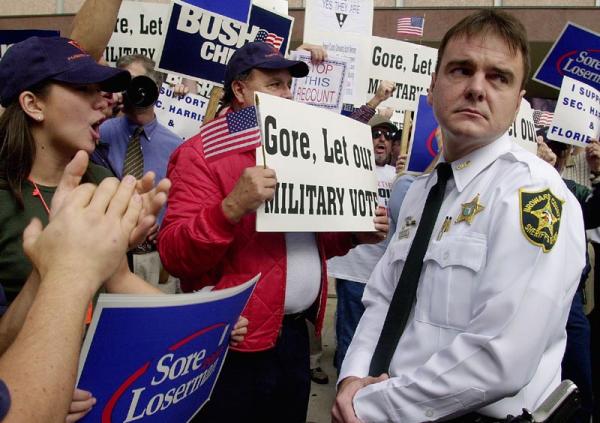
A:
(540, 217)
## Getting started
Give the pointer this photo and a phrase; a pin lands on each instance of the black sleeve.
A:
(591, 208)
(4, 400)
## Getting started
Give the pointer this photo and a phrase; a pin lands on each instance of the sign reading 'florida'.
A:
(576, 54)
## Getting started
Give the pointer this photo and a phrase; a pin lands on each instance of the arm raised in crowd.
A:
(364, 113)
(93, 25)
(74, 254)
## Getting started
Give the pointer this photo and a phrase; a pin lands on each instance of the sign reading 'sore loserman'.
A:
(325, 169)
(576, 54)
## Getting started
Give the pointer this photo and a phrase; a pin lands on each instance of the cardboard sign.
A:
(576, 118)
(323, 86)
(340, 15)
(325, 169)
(234, 9)
(522, 130)
(198, 44)
(156, 358)
(424, 145)
(352, 48)
(182, 115)
(139, 29)
(576, 54)
(409, 65)
(9, 37)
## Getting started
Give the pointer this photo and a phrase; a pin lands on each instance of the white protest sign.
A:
(277, 6)
(522, 129)
(408, 65)
(340, 15)
(325, 169)
(182, 115)
(576, 118)
(354, 49)
(323, 86)
(139, 30)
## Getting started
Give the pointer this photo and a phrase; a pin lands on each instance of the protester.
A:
(352, 271)
(484, 334)
(135, 143)
(208, 237)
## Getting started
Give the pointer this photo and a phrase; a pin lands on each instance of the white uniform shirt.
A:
(487, 332)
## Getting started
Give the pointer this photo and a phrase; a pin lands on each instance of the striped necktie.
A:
(134, 159)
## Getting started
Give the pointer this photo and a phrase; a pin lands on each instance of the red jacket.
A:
(201, 247)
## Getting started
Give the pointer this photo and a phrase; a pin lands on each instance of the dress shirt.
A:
(487, 332)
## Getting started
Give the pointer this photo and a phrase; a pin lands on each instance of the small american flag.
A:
(411, 26)
(542, 118)
(269, 38)
(233, 133)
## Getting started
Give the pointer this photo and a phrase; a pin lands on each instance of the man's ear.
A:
(430, 90)
(32, 105)
(238, 87)
(521, 95)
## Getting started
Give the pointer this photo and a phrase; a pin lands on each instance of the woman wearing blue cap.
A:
(52, 94)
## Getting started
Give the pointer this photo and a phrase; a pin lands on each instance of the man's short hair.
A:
(499, 23)
(146, 62)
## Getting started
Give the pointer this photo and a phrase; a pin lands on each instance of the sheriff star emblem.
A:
(540, 217)
(469, 210)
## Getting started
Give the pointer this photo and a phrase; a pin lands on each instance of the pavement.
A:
(322, 396)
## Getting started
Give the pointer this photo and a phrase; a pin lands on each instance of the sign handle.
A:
(213, 104)
(406, 128)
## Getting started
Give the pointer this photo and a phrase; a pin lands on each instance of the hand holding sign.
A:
(255, 186)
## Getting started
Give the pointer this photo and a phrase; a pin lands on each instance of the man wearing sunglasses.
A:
(352, 271)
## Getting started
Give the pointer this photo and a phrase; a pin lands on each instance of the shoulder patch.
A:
(540, 217)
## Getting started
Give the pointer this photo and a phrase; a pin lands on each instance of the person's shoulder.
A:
(98, 173)
(526, 168)
(168, 135)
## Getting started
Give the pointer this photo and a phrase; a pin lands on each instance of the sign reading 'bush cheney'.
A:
(325, 169)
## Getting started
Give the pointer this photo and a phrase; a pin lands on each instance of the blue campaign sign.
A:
(234, 9)
(156, 358)
(11, 36)
(198, 44)
(424, 146)
(576, 54)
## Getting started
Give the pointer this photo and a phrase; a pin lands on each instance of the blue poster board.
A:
(198, 44)
(424, 145)
(11, 36)
(157, 357)
(234, 9)
(576, 54)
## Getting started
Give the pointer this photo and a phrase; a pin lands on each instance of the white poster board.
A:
(354, 49)
(522, 130)
(576, 118)
(340, 15)
(277, 6)
(325, 169)
(323, 86)
(139, 30)
(408, 65)
(182, 115)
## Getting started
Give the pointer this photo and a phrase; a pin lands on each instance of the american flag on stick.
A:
(269, 38)
(411, 26)
(542, 118)
(233, 133)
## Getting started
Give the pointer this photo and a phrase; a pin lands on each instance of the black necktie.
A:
(406, 290)
(134, 159)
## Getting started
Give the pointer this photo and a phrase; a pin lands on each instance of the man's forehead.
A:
(489, 45)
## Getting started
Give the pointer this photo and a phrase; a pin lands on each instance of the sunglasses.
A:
(388, 135)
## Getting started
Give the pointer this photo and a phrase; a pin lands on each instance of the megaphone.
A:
(142, 92)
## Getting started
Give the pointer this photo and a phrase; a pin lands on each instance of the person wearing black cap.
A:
(208, 237)
(52, 91)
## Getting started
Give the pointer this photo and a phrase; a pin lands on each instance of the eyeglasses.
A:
(376, 133)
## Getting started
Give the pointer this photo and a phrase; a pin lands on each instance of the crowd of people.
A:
(464, 303)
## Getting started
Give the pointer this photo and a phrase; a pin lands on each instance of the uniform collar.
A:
(467, 168)
(148, 128)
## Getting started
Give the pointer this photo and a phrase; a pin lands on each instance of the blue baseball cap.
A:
(260, 55)
(38, 59)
